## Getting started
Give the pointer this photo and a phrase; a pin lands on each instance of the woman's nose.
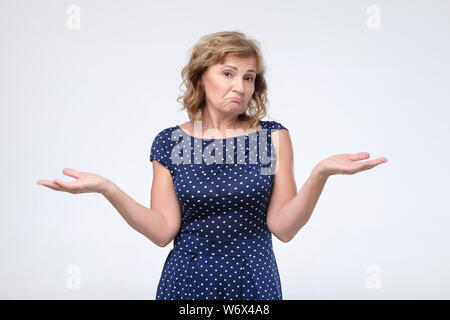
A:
(238, 85)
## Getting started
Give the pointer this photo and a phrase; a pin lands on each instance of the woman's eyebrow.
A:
(249, 70)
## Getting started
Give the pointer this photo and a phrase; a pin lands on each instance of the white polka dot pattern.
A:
(223, 249)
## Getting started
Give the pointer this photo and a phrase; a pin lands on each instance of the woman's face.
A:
(230, 86)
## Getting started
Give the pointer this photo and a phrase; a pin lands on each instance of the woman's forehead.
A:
(238, 62)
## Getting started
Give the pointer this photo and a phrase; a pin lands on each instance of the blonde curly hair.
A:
(212, 49)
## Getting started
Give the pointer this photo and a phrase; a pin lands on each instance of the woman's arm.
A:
(288, 210)
(284, 187)
(295, 212)
(159, 223)
(146, 221)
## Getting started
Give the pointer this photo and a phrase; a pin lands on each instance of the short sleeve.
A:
(276, 126)
(161, 150)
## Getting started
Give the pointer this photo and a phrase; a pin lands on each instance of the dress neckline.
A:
(242, 135)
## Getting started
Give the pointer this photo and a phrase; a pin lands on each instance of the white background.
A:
(94, 98)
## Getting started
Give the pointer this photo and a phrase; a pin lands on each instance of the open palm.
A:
(349, 163)
(85, 182)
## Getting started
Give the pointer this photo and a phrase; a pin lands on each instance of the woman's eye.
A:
(226, 72)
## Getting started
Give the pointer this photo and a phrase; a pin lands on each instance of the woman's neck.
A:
(220, 126)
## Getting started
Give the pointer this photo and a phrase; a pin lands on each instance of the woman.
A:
(223, 182)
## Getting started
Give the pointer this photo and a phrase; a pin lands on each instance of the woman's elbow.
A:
(164, 244)
(279, 235)
(284, 239)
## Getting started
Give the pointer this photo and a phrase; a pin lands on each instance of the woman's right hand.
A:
(85, 182)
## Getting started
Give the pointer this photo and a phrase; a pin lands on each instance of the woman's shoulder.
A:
(272, 125)
(165, 135)
(166, 130)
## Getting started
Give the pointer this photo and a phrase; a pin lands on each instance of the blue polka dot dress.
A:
(223, 249)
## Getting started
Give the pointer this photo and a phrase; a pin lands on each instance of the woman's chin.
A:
(232, 109)
(235, 110)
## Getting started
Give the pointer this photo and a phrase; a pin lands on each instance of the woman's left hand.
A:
(347, 164)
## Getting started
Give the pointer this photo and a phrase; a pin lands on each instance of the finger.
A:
(44, 182)
(71, 173)
(378, 161)
(372, 163)
(64, 184)
(50, 184)
(359, 156)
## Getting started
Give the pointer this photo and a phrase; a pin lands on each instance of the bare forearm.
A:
(296, 212)
(146, 221)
